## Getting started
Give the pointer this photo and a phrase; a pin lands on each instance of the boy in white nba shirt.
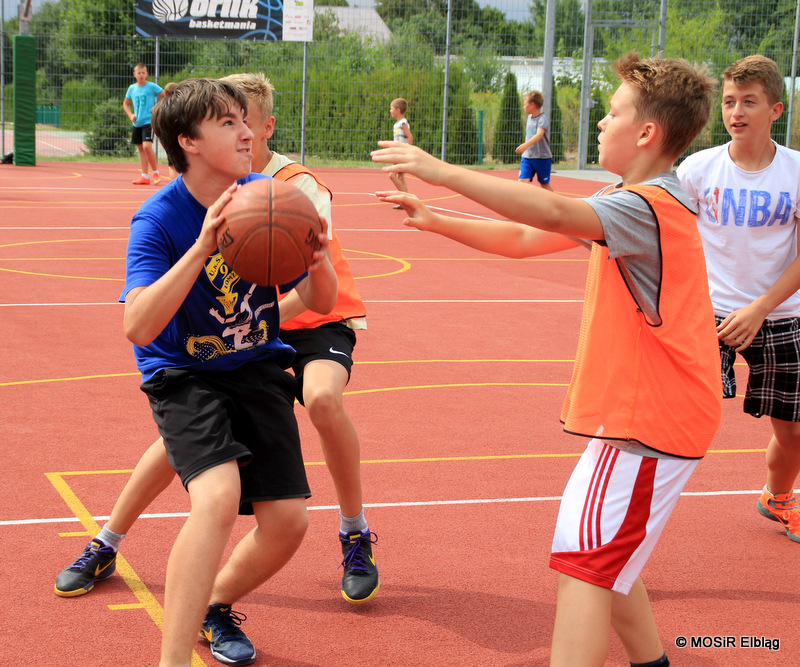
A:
(747, 192)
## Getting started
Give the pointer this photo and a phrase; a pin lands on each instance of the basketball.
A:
(270, 232)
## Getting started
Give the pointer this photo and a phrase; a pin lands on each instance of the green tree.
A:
(569, 26)
(509, 130)
(556, 129)
(779, 127)
(108, 131)
(596, 114)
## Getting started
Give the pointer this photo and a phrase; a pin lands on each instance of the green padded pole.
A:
(24, 100)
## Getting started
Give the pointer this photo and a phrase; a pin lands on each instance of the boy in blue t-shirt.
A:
(142, 96)
(206, 343)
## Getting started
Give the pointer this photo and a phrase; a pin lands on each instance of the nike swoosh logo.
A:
(206, 634)
(332, 351)
(98, 570)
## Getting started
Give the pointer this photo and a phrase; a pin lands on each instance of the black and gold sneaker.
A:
(97, 562)
(360, 581)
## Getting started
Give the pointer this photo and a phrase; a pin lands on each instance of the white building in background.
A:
(530, 71)
(362, 21)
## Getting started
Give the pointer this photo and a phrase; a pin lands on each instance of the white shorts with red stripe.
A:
(612, 513)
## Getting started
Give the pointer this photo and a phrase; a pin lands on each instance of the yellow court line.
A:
(523, 260)
(359, 363)
(459, 384)
(54, 241)
(463, 361)
(147, 600)
(44, 177)
(63, 259)
(425, 459)
(56, 275)
(82, 207)
(81, 377)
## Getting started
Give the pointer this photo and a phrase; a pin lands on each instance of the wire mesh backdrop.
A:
(462, 65)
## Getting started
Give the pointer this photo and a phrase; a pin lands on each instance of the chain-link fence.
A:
(461, 65)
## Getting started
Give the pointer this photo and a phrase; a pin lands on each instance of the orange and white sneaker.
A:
(156, 178)
(783, 508)
(142, 181)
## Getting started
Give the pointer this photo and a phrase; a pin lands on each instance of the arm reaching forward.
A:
(535, 207)
(500, 237)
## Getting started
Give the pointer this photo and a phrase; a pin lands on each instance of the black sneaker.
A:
(360, 581)
(97, 562)
(228, 643)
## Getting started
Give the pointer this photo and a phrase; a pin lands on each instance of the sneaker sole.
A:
(235, 663)
(72, 594)
(366, 599)
(221, 658)
(765, 512)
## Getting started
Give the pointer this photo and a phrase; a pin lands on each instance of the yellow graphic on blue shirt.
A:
(242, 327)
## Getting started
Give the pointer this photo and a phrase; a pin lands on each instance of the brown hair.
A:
(671, 92)
(256, 87)
(191, 102)
(534, 96)
(401, 104)
(757, 69)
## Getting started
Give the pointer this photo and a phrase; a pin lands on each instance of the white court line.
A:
(115, 303)
(88, 188)
(420, 503)
(39, 305)
(473, 301)
(127, 228)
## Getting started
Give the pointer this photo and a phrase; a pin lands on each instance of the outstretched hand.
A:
(405, 158)
(419, 215)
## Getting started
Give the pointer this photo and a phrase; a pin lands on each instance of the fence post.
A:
(586, 87)
(445, 99)
(303, 105)
(480, 137)
(547, 72)
(793, 77)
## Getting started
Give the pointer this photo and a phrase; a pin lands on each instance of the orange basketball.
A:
(270, 232)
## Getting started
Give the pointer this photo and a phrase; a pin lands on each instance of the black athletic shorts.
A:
(246, 414)
(333, 340)
(142, 134)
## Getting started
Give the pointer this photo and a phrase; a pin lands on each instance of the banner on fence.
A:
(269, 20)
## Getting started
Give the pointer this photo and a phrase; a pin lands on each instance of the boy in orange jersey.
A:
(748, 193)
(645, 387)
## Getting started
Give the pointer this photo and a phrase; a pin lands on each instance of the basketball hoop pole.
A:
(24, 16)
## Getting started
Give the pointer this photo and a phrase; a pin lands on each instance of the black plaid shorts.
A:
(773, 384)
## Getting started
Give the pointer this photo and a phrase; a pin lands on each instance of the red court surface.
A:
(456, 395)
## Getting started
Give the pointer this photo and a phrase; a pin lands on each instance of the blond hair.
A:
(256, 87)
(401, 104)
(671, 92)
(757, 69)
